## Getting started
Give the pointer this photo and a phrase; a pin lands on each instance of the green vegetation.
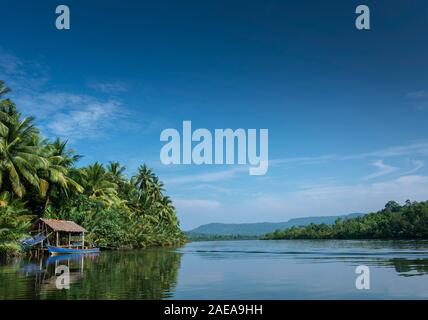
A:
(39, 178)
(409, 221)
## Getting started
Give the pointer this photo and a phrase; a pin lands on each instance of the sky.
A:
(346, 109)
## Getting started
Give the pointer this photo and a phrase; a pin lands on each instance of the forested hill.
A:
(261, 228)
(395, 221)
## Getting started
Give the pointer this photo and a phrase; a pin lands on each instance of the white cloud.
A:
(85, 122)
(420, 148)
(21, 75)
(199, 204)
(383, 169)
(411, 186)
(416, 148)
(10, 64)
(61, 113)
(108, 86)
(71, 116)
(207, 177)
(210, 187)
(417, 94)
(417, 165)
(193, 211)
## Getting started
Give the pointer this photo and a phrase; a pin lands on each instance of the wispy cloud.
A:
(10, 64)
(87, 121)
(109, 87)
(401, 188)
(383, 169)
(417, 165)
(20, 74)
(416, 148)
(420, 148)
(198, 204)
(65, 114)
(72, 116)
(207, 177)
(210, 187)
(418, 99)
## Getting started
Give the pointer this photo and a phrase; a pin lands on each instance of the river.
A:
(253, 269)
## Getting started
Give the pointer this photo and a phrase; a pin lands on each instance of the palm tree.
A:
(20, 157)
(144, 179)
(3, 88)
(97, 184)
(68, 156)
(157, 188)
(56, 179)
(15, 219)
(117, 171)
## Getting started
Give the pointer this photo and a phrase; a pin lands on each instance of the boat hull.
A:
(58, 250)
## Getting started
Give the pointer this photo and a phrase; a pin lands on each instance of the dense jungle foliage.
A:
(409, 221)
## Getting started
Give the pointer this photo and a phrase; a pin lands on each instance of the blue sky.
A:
(346, 110)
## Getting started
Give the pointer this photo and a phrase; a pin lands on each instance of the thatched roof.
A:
(63, 225)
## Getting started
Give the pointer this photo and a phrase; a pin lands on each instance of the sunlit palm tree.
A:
(116, 171)
(97, 184)
(56, 179)
(20, 157)
(143, 179)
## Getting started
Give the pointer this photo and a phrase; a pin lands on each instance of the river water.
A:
(253, 269)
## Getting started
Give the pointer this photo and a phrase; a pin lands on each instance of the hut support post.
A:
(57, 239)
(83, 240)
(69, 240)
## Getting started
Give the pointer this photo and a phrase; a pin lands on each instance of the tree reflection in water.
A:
(143, 274)
(410, 267)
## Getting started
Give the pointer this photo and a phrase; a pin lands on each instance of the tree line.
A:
(395, 221)
(40, 178)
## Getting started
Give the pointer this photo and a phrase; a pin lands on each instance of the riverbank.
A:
(408, 221)
(10, 249)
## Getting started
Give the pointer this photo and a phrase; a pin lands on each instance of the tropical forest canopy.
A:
(395, 221)
(40, 178)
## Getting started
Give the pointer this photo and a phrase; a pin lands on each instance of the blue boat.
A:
(61, 250)
(58, 237)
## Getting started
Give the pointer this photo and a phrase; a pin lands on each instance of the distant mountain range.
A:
(261, 228)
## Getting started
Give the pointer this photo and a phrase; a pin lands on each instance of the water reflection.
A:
(410, 267)
(229, 270)
(44, 272)
(146, 274)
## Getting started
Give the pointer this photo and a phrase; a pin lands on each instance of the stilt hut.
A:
(63, 232)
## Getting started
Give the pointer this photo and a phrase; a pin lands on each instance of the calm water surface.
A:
(229, 270)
